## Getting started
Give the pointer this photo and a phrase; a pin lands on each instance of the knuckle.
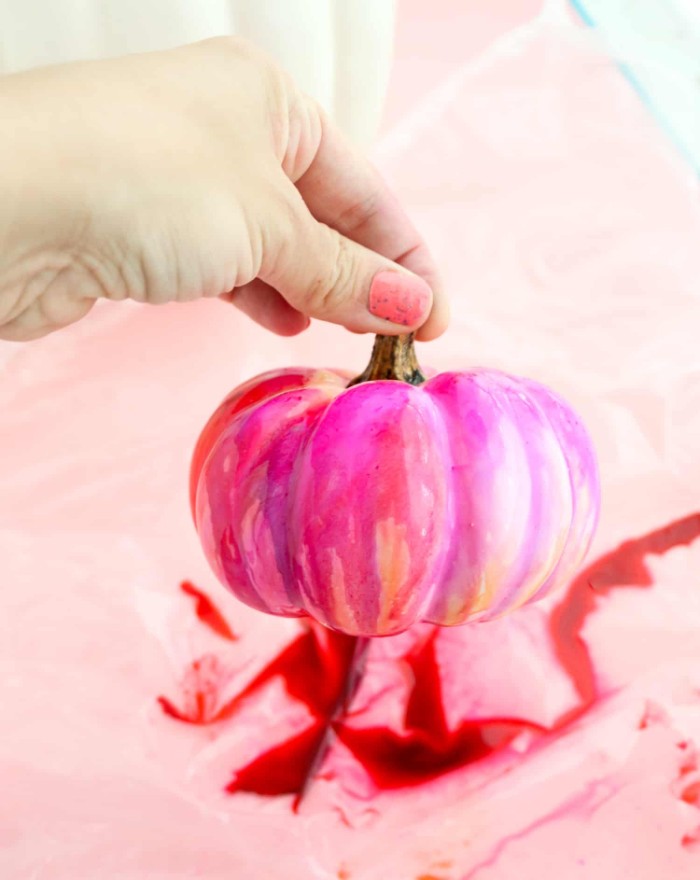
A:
(298, 126)
(360, 214)
(336, 274)
(277, 243)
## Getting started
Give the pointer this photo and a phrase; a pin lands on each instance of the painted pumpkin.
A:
(376, 504)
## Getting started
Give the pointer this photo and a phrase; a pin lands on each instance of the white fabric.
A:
(338, 50)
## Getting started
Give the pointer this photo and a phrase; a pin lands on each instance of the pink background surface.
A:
(567, 230)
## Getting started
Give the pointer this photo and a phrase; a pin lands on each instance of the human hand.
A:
(200, 171)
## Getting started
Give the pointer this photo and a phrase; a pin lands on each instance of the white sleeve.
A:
(339, 51)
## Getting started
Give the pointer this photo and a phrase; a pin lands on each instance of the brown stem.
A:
(393, 357)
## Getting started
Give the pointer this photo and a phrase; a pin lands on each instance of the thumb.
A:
(325, 275)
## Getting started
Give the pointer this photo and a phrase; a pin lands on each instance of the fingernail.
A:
(399, 298)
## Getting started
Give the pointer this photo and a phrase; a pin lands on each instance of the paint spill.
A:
(200, 689)
(426, 747)
(315, 667)
(623, 567)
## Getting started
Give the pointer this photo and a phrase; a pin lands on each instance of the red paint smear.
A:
(691, 841)
(172, 710)
(585, 803)
(691, 794)
(427, 748)
(314, 669)
(623, 567)
(687, 786)
(207, 612)
(280, 770)
(317, 666)
(201, 685)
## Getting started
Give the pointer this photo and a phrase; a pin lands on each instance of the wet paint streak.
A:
(691, 841)
(201, 685)
(207, 612)
(586, 803)
(622, 567)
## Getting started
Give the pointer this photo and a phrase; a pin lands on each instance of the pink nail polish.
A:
(401, 299)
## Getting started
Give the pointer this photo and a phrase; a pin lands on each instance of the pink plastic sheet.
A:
(568, 232)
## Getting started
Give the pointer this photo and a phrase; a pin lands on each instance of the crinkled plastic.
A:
(567, 228)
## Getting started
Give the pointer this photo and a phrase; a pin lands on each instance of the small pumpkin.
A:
(373, 504)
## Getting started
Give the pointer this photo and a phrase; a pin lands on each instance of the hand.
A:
(200, 171)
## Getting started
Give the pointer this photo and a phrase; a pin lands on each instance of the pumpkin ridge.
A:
(432, 594)
(518, 596)
(293, 538)
(560, 569)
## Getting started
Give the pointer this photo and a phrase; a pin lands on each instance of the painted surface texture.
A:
(374, 507)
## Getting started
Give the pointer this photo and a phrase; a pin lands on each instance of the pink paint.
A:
(376, 506)
(400, 298)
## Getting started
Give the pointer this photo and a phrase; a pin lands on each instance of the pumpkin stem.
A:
(352, 677)
(393, 357)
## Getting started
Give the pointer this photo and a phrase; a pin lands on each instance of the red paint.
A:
(691, 841)
(313, 668)
(290, 767)
(207, 612)
(282, 769)
(691, 794)
(583, 804)
(318, 669)
(172, 710)
(687, 787)
(427, 748)
(623, 567)
(241, 398)
(200, 688)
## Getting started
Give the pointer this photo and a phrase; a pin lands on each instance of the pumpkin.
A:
(376, 503)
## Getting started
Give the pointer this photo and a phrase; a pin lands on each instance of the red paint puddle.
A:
(427, 748)
(316, 666)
